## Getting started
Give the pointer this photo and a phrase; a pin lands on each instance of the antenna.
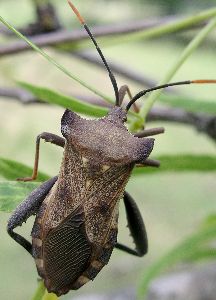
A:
(112, 78)
(142, 93)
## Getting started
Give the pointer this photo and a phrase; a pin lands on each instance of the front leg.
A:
(136, 227)
(27, 208)
(48, 137)
(122, 92)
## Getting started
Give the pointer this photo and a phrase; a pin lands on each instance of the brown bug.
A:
(76, 223)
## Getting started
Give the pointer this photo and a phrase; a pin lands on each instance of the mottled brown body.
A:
(81, 210)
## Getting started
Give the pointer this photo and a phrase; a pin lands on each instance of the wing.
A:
(64, 254)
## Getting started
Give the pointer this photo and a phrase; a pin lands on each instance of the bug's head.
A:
(117, 115)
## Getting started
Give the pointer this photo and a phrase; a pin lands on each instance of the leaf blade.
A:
(11, 170)
(181, 163)
(13, 192)
(189, 104)
(72, 103)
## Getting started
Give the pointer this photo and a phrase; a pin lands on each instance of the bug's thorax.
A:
(107, 139)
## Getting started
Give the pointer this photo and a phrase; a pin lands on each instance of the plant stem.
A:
(42, 294)
(49, 296)
(191, 47)
(109, 35)
(40, 291)
(179, 253)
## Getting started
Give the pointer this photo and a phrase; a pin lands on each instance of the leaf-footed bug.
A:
(76, 223)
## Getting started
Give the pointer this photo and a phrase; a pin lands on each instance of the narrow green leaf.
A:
(49, 296)
(189, 104)
(11, 170)
(14, 192)
(72, 103)
(203, 253)
(181, 163)
(177, 254)
(42, 294)
(210, 220)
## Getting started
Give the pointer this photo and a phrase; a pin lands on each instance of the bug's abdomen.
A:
(65, 254)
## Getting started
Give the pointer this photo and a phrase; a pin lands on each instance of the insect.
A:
(76, 224)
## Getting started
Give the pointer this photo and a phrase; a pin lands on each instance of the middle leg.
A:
(136, 227)
(149, 132)
(122, 92)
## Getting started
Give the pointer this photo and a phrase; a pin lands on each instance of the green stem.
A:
(42, 294)
(54, 62)
(192, 46)
(40, 291)
(49, 296)
(177, 254)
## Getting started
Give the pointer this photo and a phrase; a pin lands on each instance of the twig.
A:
(47, 20)
(19, 94)
(122, 70)
(66, 36)
(202, 122)
(123, 27)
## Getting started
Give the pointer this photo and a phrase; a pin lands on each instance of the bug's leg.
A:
(136, 227)
(27, 208)
(122, 92)
(149, 132)
(149, 163)
(48, 137)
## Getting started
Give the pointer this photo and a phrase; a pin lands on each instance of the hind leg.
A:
(136, 227)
